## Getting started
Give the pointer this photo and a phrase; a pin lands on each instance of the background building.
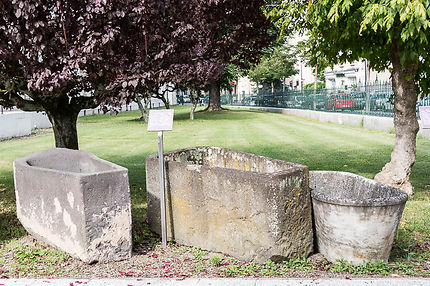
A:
(341, 76)
(353, 74)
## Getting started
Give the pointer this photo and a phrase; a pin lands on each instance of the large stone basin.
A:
(355, 218)
(76, 202)
(251, 207)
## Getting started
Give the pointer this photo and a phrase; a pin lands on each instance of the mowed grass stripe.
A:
(304, 143)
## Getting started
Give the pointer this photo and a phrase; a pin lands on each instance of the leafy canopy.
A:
(277, 65)
(347, 30)
(53, 50)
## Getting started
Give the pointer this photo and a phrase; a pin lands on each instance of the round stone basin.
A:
(355, 218)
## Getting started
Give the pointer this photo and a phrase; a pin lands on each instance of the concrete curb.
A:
(217, 282)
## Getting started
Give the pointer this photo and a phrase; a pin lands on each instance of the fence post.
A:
(367, 103)
(315, 101)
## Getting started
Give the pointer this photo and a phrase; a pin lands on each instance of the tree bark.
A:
(142, 108)
(64, 125)
(193, 109)
(214, 98)
(165, 101)
(316, 77)
(396, 173)
(195, 96)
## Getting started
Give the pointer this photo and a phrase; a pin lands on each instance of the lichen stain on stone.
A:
(64, 242)
(115, 233)
(196, 168)
(69, 223)
(70, 199)
(57, 205)
(182, 206)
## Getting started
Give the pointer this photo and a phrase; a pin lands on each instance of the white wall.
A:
(20, 123)
(39, 120)
(14, 124)
(245, 85)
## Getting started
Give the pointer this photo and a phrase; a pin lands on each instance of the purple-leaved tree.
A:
(62, 56)
(53, 57)
(193, 51)
(230, 32)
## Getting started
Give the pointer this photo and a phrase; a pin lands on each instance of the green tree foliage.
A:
(390, 34)
(312, 85)
(313, 58)
(277, 65)
(347, 30)
(231, 73)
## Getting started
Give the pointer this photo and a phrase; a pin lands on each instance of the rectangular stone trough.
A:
(251, 207)
(76, 202)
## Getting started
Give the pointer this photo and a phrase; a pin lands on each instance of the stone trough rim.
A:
(24, 161)
(294, 166)
(400, 197)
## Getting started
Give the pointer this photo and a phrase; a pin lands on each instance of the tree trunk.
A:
(63, 122)
(396, 173)
(193, 109)
(165, 101)
(214, 98)
(142, 108)
(195, 96)
(316, 78)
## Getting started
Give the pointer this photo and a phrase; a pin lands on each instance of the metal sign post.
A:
(161, 120)
(162, 190)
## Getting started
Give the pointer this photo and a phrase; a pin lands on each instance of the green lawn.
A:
(124, 140)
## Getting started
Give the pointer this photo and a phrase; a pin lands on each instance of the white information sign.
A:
(160, 120)
(425, 116)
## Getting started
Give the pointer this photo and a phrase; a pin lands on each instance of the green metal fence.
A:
(374, 100)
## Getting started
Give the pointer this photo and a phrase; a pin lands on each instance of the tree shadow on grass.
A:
(408, 249)
(202, 114)
(224, 114)
(10, 227)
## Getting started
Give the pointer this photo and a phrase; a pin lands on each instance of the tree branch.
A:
(84, 102)
(12, 98)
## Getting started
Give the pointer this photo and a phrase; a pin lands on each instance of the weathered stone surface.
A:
(76, 202)
(355, 218)
(244, 205)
